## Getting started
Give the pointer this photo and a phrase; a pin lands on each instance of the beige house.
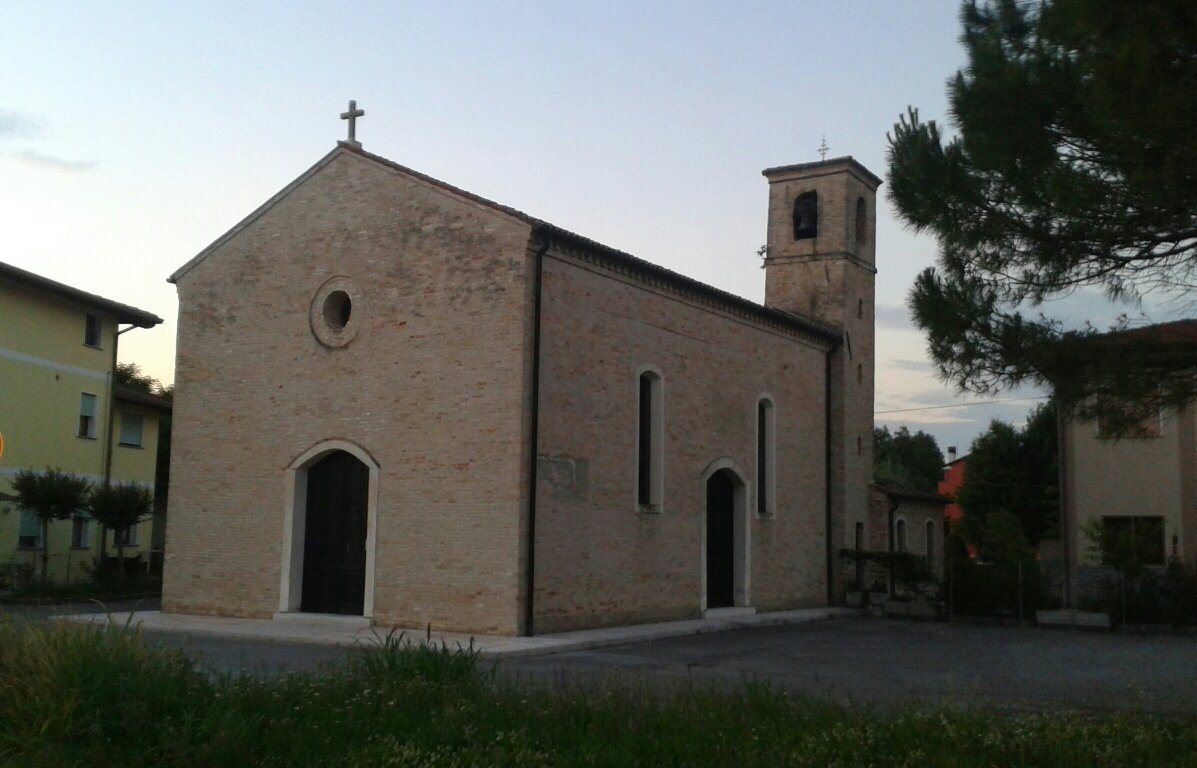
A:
(399, 401)
(1145, 482)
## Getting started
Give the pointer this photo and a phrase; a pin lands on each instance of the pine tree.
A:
(1075, 166)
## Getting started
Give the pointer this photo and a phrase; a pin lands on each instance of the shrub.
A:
(910, 573)
(1150, 596)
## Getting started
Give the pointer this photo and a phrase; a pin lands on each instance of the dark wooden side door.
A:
(721, 502)
(334, 544)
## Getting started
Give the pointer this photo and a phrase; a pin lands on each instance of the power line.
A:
(961, 405)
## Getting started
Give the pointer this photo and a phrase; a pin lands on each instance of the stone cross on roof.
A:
(352, 115)
(822, 145)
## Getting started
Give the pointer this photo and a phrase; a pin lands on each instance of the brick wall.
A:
(432, 386)
(600, 560)
(831, 278)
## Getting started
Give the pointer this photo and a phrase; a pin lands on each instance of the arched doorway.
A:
(334, 535)
(725, 541)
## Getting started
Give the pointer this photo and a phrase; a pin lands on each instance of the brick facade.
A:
(435, 392)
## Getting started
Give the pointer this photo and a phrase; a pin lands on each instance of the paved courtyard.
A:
(860, 661)
(884, 662)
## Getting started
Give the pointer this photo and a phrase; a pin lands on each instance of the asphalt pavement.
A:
(860, 661)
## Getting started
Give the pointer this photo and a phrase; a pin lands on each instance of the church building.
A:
(399, 401)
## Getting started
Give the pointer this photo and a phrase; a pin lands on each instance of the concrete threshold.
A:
(318, 630)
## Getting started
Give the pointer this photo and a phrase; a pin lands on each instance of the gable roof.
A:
(546, 232)
(131, 395)
(908, 494)
(122, 312)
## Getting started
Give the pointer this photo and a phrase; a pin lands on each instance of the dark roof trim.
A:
(848, 160)
(823, 333)
(122, 312)
(909, 495)
(130, 395)
(737, 305)
(730, 302)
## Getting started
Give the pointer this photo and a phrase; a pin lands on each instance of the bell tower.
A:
(820, 263)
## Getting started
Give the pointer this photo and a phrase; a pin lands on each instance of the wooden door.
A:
(334, 545)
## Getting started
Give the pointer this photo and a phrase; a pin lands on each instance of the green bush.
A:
(910, 573)
(1149, 596)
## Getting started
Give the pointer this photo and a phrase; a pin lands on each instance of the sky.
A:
(132, 135)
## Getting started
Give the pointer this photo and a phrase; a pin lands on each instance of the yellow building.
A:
(60, 407)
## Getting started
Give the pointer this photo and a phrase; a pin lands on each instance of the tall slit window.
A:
(861, 221)
(900, 536)
(650, 442)
(765, 457)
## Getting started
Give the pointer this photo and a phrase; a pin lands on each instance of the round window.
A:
(335, 309)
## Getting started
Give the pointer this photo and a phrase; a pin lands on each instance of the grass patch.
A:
(90, 696)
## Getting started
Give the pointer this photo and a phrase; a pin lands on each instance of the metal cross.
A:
(822, 145)
(352, 115)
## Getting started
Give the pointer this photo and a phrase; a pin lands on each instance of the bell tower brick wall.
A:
(830, 277)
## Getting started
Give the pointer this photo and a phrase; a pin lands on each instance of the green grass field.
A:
(84, 696)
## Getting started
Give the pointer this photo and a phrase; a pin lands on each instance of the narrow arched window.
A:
(859, 545)
(861, 221)
(860, 373)
(900, 536)
(860, 307)
(930, 543)
(649, 443)
(766, 458)
(806, 216)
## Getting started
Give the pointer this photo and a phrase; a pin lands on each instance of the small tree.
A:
(911, 460)
(51, 495)
(1014, 470)
(1004, 577)
(118, 507)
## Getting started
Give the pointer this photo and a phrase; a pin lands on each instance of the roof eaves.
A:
(517, 214)
(822, 332)
(846, 159)
(122, 312)
(896, 492)
(825, 333)
(130, 395)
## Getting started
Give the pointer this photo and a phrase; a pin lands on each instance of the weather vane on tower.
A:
(352, 115)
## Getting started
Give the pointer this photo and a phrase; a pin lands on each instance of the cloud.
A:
(34, 157)
(14, 124)
(894, 316)
(917, 366)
